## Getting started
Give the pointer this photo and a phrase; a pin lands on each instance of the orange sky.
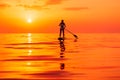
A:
(45, 15)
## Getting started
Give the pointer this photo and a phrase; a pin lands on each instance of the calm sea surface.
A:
(44, 57)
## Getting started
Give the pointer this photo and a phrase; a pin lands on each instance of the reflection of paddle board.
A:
(60, 38)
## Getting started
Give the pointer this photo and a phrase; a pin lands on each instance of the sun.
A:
(29, 20)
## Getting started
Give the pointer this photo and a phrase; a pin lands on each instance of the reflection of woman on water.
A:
(62, 27)
(62, 47)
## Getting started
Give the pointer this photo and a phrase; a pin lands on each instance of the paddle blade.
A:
(76, 36)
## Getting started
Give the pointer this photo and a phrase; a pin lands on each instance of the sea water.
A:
(28, 56)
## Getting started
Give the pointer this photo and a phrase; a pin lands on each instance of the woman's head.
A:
(62, 20)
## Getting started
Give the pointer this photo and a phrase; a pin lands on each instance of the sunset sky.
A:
(45, 15)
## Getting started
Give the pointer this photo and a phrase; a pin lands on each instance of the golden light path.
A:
(29, 41)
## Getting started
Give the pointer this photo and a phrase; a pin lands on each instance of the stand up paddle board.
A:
(60, 38)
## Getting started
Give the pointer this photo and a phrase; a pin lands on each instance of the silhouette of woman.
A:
(62, 27)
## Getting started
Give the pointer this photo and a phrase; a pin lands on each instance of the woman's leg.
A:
(63, 34)
(60, 33)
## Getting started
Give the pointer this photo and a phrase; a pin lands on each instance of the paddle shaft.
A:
(69, 31)
(72, 33)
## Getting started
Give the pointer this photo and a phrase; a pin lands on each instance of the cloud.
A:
(54, 2)
(36, 4)
(34, 7)
(46, 3)
(37, 7)
(75, 8)
(4, 5)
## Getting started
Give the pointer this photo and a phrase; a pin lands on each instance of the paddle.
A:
(72, 34)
